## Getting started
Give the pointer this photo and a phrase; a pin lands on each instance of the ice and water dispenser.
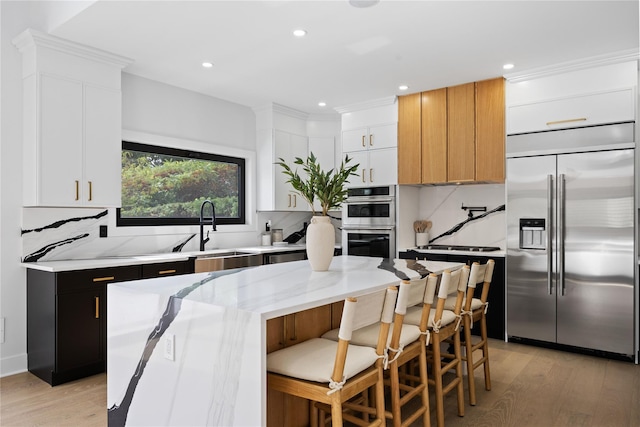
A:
(532, 233)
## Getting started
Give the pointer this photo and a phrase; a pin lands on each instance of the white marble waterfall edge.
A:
(219, 374)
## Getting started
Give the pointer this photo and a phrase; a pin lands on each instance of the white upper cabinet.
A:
(71, 123)
(370, 138)
(590, 96)
(288, 147)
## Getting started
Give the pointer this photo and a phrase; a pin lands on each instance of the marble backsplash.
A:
(54, 234)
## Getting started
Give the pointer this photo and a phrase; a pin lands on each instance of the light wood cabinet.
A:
(452, 135)
(287, 410)
(71, 123)
(409, 139)
(461, 133)
(490, 130)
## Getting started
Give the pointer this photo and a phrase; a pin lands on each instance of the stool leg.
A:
(426, 416)
(469, 357)
(437, 377)
(459, 387)
(485, 352)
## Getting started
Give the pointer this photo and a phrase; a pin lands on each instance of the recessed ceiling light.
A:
(363, 3)
(300, 32)
(403, 87)
(322, 104)
(207, 64)
(508, 66)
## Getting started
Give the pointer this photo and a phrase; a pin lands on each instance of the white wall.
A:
(151, 109)
(14, 18)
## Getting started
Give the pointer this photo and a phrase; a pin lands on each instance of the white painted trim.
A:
(13, 365)
(367, 104)
(33, 37)
(564, 67)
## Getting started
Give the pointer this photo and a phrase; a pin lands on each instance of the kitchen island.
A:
(191, 349)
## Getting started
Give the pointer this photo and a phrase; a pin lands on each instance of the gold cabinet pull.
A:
(371, 175)
(97, 300)
(103, 279)
(90, 191)
(363, 140)
(166, 271)
(289, 205)
(77, 190)
(295, 201)
(363, 172)
(371, 140)
(557, 122)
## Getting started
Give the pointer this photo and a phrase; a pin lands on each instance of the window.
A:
(167, 186)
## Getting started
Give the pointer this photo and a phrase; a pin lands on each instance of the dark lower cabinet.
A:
(67, 317)
(67, 321)
(496, 298)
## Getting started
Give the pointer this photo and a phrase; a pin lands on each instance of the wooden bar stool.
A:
(475, 310)
(404, 343)
(443, 325)
(333, 372)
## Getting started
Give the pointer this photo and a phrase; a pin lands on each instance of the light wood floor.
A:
(531, 387)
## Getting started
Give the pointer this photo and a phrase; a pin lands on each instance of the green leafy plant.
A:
(327, 186)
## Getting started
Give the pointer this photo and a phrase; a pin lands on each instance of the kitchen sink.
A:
(226, 261)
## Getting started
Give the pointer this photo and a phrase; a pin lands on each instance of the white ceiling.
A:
(350, 55)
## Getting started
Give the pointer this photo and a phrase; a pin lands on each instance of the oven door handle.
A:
(368, 200)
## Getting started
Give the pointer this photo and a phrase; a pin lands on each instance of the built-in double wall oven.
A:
(369, 222)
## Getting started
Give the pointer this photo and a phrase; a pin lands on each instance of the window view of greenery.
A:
(165, 186)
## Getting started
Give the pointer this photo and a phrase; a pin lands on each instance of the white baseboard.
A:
(13, 365)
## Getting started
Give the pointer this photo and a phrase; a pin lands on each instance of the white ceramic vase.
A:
(321, 241)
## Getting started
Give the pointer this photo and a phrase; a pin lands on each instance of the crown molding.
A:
(581, 64)
(288, 111)
(329, 117)
(380, 102)
(31, 37)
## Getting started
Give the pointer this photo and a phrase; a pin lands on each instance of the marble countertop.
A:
(121, 261)
(215, 327)
(262, 289)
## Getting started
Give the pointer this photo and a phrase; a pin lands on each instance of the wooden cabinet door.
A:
(434, 136)
(490, 130)
(461, 133)
(81, 328)
(409, 139)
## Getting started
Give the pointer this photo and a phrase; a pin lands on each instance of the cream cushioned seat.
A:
(450, 303)
(369, 335)
(313, 360)
(414, 314)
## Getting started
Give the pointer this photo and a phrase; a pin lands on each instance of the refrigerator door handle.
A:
(549, 234)
(561, 202)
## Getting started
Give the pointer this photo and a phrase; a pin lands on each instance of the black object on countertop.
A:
(296, 235)
(461, 248)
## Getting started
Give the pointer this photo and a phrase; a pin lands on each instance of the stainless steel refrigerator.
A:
(570, 237)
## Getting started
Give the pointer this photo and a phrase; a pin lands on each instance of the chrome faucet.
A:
(203, 221)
